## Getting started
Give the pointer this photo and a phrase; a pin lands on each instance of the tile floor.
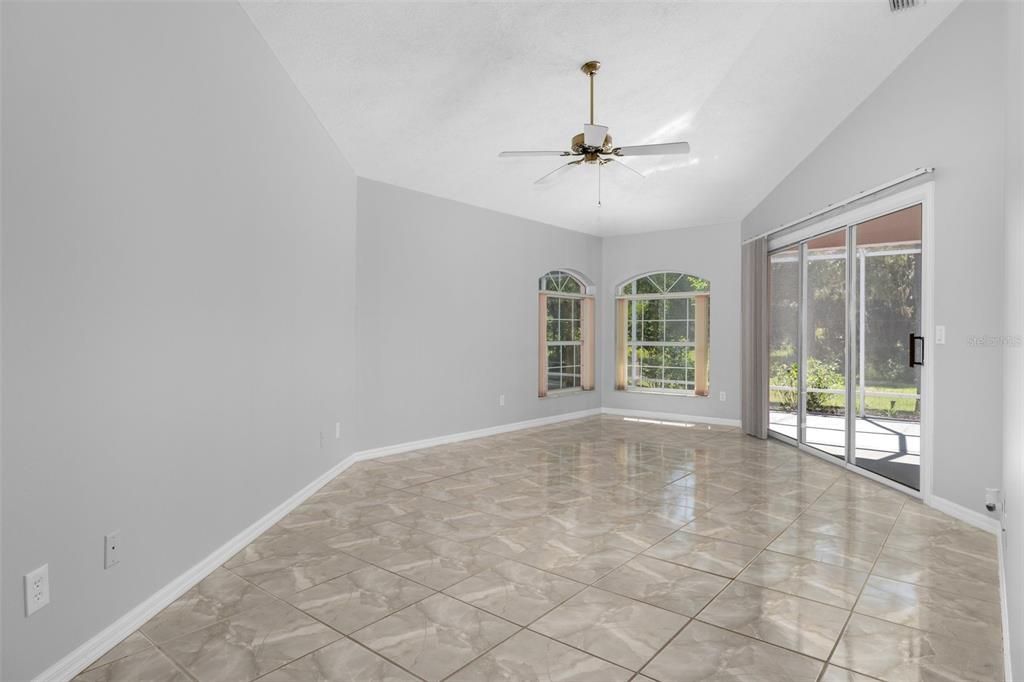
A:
(593, 550)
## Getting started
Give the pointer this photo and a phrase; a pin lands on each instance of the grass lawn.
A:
(878, 406)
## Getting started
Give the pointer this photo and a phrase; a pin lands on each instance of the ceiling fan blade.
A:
(593, 135)
(618, 164)
(653, 149)
(507, 155)
(557, 173)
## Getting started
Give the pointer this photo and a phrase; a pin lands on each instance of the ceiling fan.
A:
(594, 146)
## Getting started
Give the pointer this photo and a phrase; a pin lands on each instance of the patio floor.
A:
(887, 447)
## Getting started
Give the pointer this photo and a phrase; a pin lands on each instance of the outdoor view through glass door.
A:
(845, 345)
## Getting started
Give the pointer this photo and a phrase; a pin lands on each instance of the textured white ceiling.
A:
(424, 95)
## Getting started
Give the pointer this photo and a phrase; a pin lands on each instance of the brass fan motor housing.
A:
(590, 153)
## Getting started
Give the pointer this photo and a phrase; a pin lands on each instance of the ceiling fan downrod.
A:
(591, 68)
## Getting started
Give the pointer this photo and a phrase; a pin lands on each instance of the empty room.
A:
(512, 341)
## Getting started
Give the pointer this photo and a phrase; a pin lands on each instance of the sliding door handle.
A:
(912, 343)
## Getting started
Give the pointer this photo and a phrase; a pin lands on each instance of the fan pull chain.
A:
(599, 164)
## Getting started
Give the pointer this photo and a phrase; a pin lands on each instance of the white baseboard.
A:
(670, 416)
(470, 435)
(76, 661)
(969, 516)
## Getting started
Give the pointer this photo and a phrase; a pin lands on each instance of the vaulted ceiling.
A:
(424, 95)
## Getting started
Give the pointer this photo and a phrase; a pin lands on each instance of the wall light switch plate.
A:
(501, 400)
(337, 430)
(112, 549)
(37, 589)
(940, 334)
(721, 396)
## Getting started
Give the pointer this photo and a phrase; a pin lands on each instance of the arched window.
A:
(566, 333)
(662, 334)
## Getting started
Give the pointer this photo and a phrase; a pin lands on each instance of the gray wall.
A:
(943, 107)
(1013, 354)
(448, 314)
(178, 301)
(712, 252)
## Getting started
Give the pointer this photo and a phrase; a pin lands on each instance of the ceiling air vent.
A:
(899, 5)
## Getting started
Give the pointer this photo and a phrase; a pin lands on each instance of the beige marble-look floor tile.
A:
(705, 554)
(853, 524)
(250, 644)
(582, 559)
(359, 598)
(704, 653)
(898, 653)
(802, 625)
(149, 665)
(926, 609)
(282, 542)
(633, 536)
(529, 657)
(837, 674)
(576, 502)
(828, 549)
(435, 637)
(219, 595)
(754, 529)
(942, 568)
(282, 576)
(342, 661)
(616, 628)
(378, 541)
(132, 644)
(515, 591)
(805, 578)
(439, 563)
(454, 523)
(664, 584)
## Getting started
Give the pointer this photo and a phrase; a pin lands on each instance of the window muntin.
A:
(565, 336)
(565, 295)
(666, 334)
(560, 282)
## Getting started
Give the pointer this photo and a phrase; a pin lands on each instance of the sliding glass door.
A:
(823, 391)
(889, 346)
(846, 345)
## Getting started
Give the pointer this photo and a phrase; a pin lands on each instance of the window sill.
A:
(563, 392)
(677, 394)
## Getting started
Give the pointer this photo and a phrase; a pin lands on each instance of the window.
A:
(663, 334)
(566, 360)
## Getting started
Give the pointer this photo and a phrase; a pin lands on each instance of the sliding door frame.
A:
(923, 194)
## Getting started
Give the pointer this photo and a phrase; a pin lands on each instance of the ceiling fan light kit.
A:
(594, 145)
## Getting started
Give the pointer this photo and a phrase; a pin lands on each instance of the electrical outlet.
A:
(112, 549)
(37, 589)
(337, 430)
(940, 334)
(501, 400)
(721, 396)
(991, 499)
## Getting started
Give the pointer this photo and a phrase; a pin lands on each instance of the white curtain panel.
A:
(755, 338)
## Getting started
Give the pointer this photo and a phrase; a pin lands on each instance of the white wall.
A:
(178, 301)
(711, 252)
(448, 314)
(1013, 353)
(943, 107)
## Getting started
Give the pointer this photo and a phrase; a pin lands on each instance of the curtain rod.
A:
(845, 202)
